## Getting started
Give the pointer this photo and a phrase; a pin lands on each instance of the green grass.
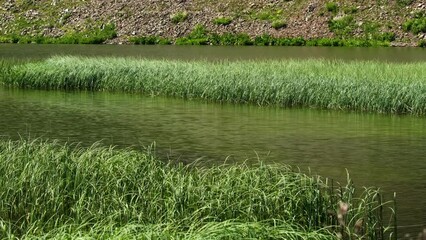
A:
(359, 86)
(332, 7)
(179, 17)
(201, 36)
(50, 190)
(150, 40)
(222, 21)
(279, 24)
(416, 25)
(342, 27)
(94, 36)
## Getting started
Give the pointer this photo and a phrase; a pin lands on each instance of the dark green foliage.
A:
(264, 40)
(228, 39)
(179, 17)
(150, 40)
(372, 32)
(422, 43)
(290, 41)
(198, 36)
(386, 36)
(417, 24)
(332, 7)
(404, 3)
(223, 21)
(350, 10)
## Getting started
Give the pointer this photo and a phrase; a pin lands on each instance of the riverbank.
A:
(389, 88)
(101, 192)
(395, 23)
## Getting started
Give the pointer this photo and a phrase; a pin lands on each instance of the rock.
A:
(311, 7)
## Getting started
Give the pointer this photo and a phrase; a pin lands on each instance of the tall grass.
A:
(360, 86)
(64, 191)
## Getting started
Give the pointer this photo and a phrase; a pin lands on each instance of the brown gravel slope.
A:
(304, 18)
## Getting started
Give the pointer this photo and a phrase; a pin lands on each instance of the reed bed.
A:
(356, 86)
(51, 190)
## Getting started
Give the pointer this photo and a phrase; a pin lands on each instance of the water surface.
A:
(378, 150)
(386, 151)
(21, 51)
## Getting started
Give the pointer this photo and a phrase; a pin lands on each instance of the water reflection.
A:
(215, 53)
(380, 150)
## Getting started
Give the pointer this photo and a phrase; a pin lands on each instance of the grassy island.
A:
(356, 86)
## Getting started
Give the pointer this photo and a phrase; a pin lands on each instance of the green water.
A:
(386, 151)
(214, 52)
(378, 150)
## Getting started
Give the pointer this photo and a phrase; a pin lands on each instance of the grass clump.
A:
(404, 3)
(150, 40)
(372, 32)
(343, 26)
(48, 190)
(222, 21)
(417, 24)
(179, 17)
(422, 43)
(277, 24)
(198, 36)
(228, 39)
(267, 15)
(360, 86)
(332, 7)
(350, 10)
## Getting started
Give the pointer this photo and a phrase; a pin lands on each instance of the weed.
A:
(350, 10)
(228, 39)
(222, 21)
(179, 17)
(198, 36)
(343, 26)
(150, 40)
(404, 3)
(416, 25)
(279, 24)
(332, 7)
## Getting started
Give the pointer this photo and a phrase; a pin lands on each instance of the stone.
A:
(311, 7)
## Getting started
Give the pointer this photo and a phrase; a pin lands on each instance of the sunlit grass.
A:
(65, 191)
(359, 86)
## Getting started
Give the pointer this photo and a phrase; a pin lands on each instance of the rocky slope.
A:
(366, 19)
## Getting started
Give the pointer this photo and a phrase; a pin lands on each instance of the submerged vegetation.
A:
(359, 86)
(51, 190)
